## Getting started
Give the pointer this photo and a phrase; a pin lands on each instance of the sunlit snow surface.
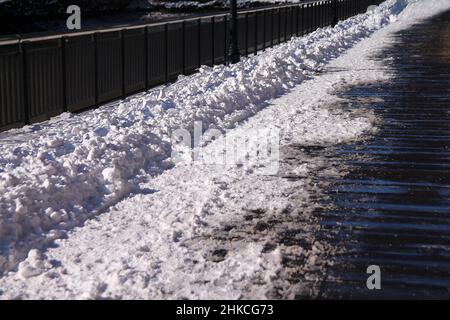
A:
(192, 231)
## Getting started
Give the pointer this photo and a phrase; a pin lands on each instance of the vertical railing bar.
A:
(146, 58)
(317, 11)
(225, 58)
(271, 27)
(338, 10)
(328, 21)
(330, 13)
(246, 34)
(291, 22)
(256, 33)
(213, 21)
(321, 14)
(316, 16)
(26, 113)
(348, 10)
(303, 19)
(324, 13)
(306, 15)
(345, 9)
(317, 26)
(288, 21)
(64, 72)
(279, 25)
(309, 25)
(183, 45)
(96, 68)
(313, 28)
(264, 30)
(199, 47)
(122, 41)
(285, 24)
(166, 52)
(314, 12)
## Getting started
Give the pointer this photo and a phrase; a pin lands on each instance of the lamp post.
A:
(233, 54)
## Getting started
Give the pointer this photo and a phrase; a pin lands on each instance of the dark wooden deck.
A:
(393, 208)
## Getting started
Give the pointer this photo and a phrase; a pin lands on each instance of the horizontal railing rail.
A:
(43, 76)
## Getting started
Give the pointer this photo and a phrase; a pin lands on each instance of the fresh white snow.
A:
(160, 223)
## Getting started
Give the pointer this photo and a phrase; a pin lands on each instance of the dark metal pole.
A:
(26, 102)
(64, 71)
(234, 49)
(335, 19)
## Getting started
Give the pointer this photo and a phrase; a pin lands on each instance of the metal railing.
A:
(44, 76)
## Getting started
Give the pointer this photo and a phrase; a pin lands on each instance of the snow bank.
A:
(55, 175)
(203, 230)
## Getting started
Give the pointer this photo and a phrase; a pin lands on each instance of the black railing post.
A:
(279, 25)
(246, 34)
(335, 13)
(285, 23)
(256, 33)
(234, 48)
(293, 33)
(122, 49)
(96, 67)
(183, 49)
(303, 17)
(310, 18)
(64, 72)
(317, 15)
(271, 26)
(146, 58)
(166, 53)
(264, 30)
(26, 109)
(322, 13)
(225, 22)
(213, 21)
(199, 45)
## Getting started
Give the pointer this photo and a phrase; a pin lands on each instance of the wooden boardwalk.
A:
(393, 208)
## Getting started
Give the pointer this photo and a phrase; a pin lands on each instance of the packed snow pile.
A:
(55, 175)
